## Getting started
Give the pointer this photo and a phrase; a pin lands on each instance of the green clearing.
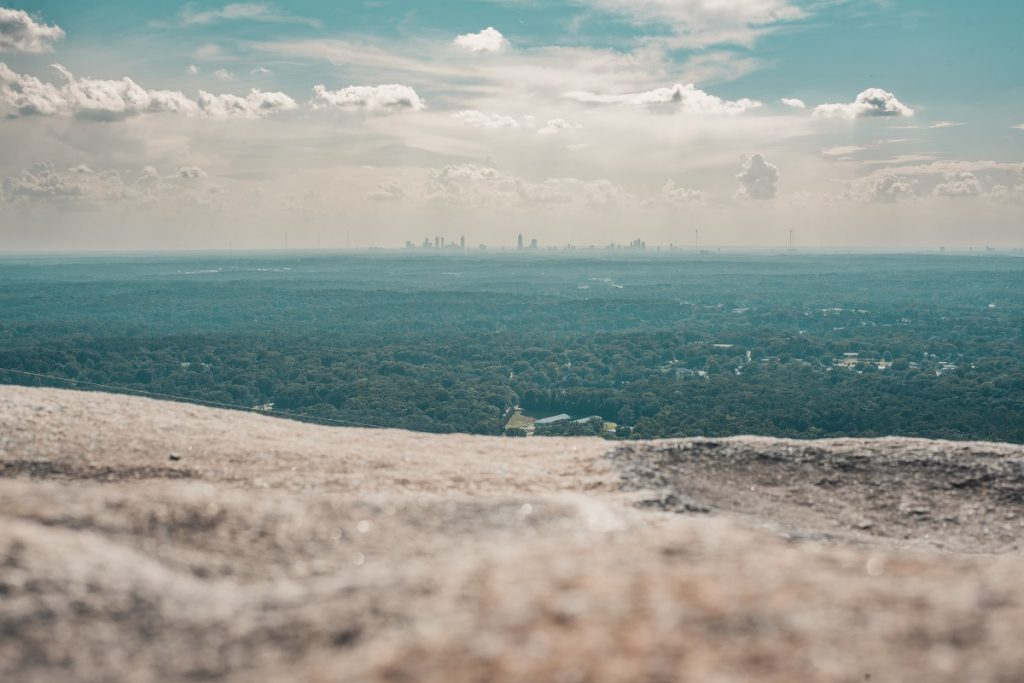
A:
(520, 421)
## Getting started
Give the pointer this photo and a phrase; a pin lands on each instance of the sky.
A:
(209, 125)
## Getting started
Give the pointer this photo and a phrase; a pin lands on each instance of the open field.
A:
(151, 541)
(520, 421)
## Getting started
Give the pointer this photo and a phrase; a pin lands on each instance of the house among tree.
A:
(551, 420)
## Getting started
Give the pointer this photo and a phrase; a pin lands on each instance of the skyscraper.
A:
(520, 240)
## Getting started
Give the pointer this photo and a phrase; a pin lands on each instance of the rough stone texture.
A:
(267, 550)
(966, 497)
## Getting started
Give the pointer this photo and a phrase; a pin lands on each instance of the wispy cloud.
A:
(932, 126)
(482, 119)
(688, 98)
(899, 159)
(547, 70)
(702, 23)
(241, 11)
(842, 150)
(209, 51)
(357, 54)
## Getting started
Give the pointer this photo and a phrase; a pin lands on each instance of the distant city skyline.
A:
(215, 125)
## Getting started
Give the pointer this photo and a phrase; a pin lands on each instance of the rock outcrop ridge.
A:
(151, 541)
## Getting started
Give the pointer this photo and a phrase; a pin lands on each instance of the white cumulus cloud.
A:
(85, 188)
(946, 178)
(488, 40)
(884, 186)
(109, 100)
(378, 99)
(41, 181)
(869, 103)
(689, 99)
(19, 32)
(958, 184)
(28, 96)
(112, 100)
(476, 186)
(189, 173)
(759, 179)
(256, 104)
(793, 103)
(890, 187)
(674, 196)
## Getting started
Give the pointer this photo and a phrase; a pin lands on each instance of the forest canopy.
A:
(658, 344)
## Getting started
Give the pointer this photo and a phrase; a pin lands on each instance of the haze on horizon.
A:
(127, 125)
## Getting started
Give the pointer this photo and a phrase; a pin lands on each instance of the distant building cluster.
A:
(440, 243)
(639, 244)
(533, 243)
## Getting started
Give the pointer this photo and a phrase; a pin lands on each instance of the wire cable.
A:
(184, 399)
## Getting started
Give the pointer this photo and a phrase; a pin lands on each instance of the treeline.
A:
(657, 383)
(677, 353)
